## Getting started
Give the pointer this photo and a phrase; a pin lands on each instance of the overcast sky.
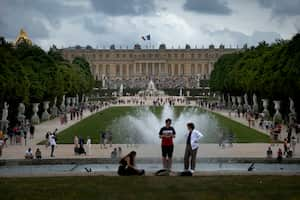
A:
(100, 23)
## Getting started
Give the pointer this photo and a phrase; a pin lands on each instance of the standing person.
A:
(293, 144)
(89, 146)
(31, 130)
(109, 138)
(103, 139)
(76, 145)
(52, 142)
(167, 133)
(192, 145)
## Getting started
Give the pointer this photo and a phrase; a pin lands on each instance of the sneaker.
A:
(192, 171)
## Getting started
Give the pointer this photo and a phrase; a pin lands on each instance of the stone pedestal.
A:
(45, 114)
(35, 118)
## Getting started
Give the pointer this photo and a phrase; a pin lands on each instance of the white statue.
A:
(277, 116)
(255, 105)
(266, 112)
(21, 109)
(5, 112)
(54, 111)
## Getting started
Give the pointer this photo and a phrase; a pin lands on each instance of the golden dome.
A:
(23, 37)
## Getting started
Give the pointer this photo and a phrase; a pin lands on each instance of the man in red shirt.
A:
(167, 133)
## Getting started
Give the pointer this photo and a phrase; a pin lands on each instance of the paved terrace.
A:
(248, 150)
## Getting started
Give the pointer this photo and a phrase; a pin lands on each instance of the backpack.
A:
(162, 172)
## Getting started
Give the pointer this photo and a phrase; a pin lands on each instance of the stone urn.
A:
(45, 114)
(35, 118)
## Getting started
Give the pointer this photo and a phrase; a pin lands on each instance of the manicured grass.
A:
(103, 187)
(92, 125)
(102, 121)
(243, 134)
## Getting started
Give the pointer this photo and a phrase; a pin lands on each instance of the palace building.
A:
(168, 68)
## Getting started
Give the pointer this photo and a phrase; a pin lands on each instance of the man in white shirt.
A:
(52, 143)
(192, 145)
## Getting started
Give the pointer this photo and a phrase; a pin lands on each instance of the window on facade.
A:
(156, 68)
(192, 55)
(182, 69)
(199, 69)
(144, 68)
(193, 69)
(163, 67)
(150, 68)
(118, 71)
(182, 55)
(117, 55)
(124, 70)
(176, 69)
(107, 71)
(137, 67)
(130, 69)
(169, 69)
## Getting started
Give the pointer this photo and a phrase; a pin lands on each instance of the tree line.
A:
(28, 74)
(270, 71)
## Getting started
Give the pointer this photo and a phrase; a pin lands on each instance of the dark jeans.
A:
(190, 154)
(128, 171)
(52, 150)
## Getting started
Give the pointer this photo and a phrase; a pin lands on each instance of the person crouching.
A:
(127, 166)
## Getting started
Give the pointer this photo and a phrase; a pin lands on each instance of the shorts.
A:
(167, 151)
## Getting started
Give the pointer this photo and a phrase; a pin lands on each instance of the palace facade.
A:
(168, 68)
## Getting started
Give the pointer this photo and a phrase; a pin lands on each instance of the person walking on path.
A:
(167, 133)
(192, 145)
(89, 146)
(52, 142)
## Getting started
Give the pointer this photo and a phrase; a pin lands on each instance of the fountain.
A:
(121, 90)
(151, 90)
(142, 127)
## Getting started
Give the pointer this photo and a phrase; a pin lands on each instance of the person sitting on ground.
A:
(269, 153)
(127, 166)
(28, 154)
(114, 154)
(81, 147)
(38, 154)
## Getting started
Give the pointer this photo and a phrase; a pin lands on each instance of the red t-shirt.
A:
(164, 131)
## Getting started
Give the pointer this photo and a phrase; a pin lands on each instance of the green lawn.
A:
(243, 134)
(103, 187)
(102, 121)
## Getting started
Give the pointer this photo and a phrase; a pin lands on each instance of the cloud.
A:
(124, 7)
(227, 36)
(34, 16)
(281, 8)
(212, 7)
